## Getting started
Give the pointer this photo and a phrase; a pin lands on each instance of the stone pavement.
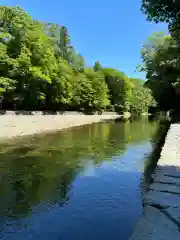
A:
(161, 216)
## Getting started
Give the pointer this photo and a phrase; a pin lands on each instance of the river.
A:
(81, 183)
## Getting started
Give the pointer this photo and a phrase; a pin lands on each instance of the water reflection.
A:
(82, 178)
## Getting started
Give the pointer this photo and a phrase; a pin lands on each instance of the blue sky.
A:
(111, 32)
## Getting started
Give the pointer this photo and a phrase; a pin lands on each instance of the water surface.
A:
(80, 183)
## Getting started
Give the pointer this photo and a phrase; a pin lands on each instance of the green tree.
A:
(97, 66)
(40, 69)
(90, 91)
(100, 90)
(141, 99)
(76, 60)
(117, 83)
(163, 11)
(64, 44)
(161, 63)
(161, 58)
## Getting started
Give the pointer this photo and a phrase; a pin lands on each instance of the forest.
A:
(41, 70)
(161, 54)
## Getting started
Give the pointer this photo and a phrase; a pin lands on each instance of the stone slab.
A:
(161, 218)
(163, 187)
(170, 154)
(167, 171)
(161, 199)
(174, 213)
(155, 225)
(160, 178)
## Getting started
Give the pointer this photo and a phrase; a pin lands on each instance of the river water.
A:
(80, 183)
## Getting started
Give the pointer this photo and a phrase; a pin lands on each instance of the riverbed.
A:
(80, 183)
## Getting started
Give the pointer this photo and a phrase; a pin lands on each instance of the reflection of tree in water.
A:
(28, 184)
(139, 131)
(40, 170)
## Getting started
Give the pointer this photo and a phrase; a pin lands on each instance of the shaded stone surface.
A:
(155, 225)
(163, 187)
(161, 218)
(161, 199)
(167, 171)
(166, 179)
(174, 213)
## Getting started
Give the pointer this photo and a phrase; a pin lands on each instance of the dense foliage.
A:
(163, 11)
(40, 69)
(161, 54)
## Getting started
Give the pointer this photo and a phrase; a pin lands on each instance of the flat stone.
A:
(163, 187)
(161, 218)
(155, 225)
(161, 199)
(167, 171)
(174, 213)
(160, 178)
(175, 173)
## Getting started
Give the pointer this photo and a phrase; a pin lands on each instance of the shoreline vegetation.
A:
(160, 55)
(41, 70)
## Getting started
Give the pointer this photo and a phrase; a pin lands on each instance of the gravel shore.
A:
(20, 125)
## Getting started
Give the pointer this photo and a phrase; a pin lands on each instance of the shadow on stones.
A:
(2, 112)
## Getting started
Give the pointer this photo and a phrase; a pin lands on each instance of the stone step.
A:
(155, 225)
(174, 214)
(160, 178)
(161, 199)
(163, 187)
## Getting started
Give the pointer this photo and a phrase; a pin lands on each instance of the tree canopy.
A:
(162, 11)
(41, 70)
(161, 54)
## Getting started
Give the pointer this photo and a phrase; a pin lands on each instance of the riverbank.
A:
(20, 124)
(161, 215)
